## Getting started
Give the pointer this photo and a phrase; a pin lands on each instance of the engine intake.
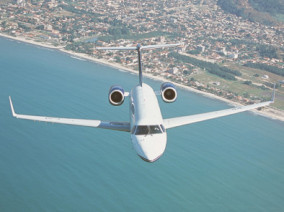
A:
(116, 95)
(168, 92)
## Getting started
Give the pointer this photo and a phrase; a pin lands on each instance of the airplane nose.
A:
(150, 160)
(150, 148)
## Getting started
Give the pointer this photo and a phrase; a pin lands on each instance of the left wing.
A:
(120, 126)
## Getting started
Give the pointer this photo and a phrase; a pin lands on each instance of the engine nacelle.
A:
(168, 92)
(116, 95)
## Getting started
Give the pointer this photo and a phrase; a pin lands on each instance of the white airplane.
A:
(146, 126)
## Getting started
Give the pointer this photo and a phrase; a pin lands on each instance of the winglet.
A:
(273, 94)
(12, 108)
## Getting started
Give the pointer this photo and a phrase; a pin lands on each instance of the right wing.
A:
(184, 120)
(120, 126)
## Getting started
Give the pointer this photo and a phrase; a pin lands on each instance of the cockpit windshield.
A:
(146, 129)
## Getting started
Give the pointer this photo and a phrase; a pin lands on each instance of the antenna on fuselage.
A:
(139, 48)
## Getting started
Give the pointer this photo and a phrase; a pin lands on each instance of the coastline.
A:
(268, 112)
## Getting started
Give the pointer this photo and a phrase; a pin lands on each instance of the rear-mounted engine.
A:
(168, 92)
(116, 95)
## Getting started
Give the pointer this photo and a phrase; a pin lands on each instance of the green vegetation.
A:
(248, 82)
(280, 17)
(123, 33)
(72, 9)
(272, 69)
(81, 47)
(212, 68)
(5, 1)
(24, 27)
(231, 6)
(270, 6)
(268, 51)
(120, 30)
(231, 71)
(263, 50)
(194, 52)
(264, 11)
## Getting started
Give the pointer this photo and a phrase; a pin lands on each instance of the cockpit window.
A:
(145, 130)
(155, 129)
(142, 130)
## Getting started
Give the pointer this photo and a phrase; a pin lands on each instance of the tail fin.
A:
(139, 48)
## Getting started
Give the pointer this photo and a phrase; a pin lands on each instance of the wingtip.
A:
(12, 107)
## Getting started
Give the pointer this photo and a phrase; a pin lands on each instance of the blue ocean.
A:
(233, 163)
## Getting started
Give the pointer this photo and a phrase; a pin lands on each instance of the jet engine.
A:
(168, 92)
(116, 95)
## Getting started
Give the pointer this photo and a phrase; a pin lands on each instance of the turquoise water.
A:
(233, 163)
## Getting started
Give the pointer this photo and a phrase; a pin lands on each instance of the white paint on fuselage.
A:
(145, 111)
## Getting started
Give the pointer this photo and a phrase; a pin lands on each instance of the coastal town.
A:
(220, 53)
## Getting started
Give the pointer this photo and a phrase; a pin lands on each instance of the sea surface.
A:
(233, 163)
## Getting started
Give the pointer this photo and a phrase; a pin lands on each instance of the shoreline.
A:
(269, 112)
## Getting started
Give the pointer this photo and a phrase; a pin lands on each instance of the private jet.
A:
(147, 127)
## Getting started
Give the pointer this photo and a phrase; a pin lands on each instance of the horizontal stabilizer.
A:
(160, 46)
(116, 48)
(139, 47)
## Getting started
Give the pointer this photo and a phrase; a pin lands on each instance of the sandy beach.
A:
(269, 112)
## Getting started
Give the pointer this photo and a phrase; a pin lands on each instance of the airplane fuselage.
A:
(148, 134)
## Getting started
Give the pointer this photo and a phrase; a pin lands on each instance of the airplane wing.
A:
(119, 126)
(184, 120)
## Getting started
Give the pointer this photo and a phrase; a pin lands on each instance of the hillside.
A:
(271, 6)
(269, 12)
(5, 1)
